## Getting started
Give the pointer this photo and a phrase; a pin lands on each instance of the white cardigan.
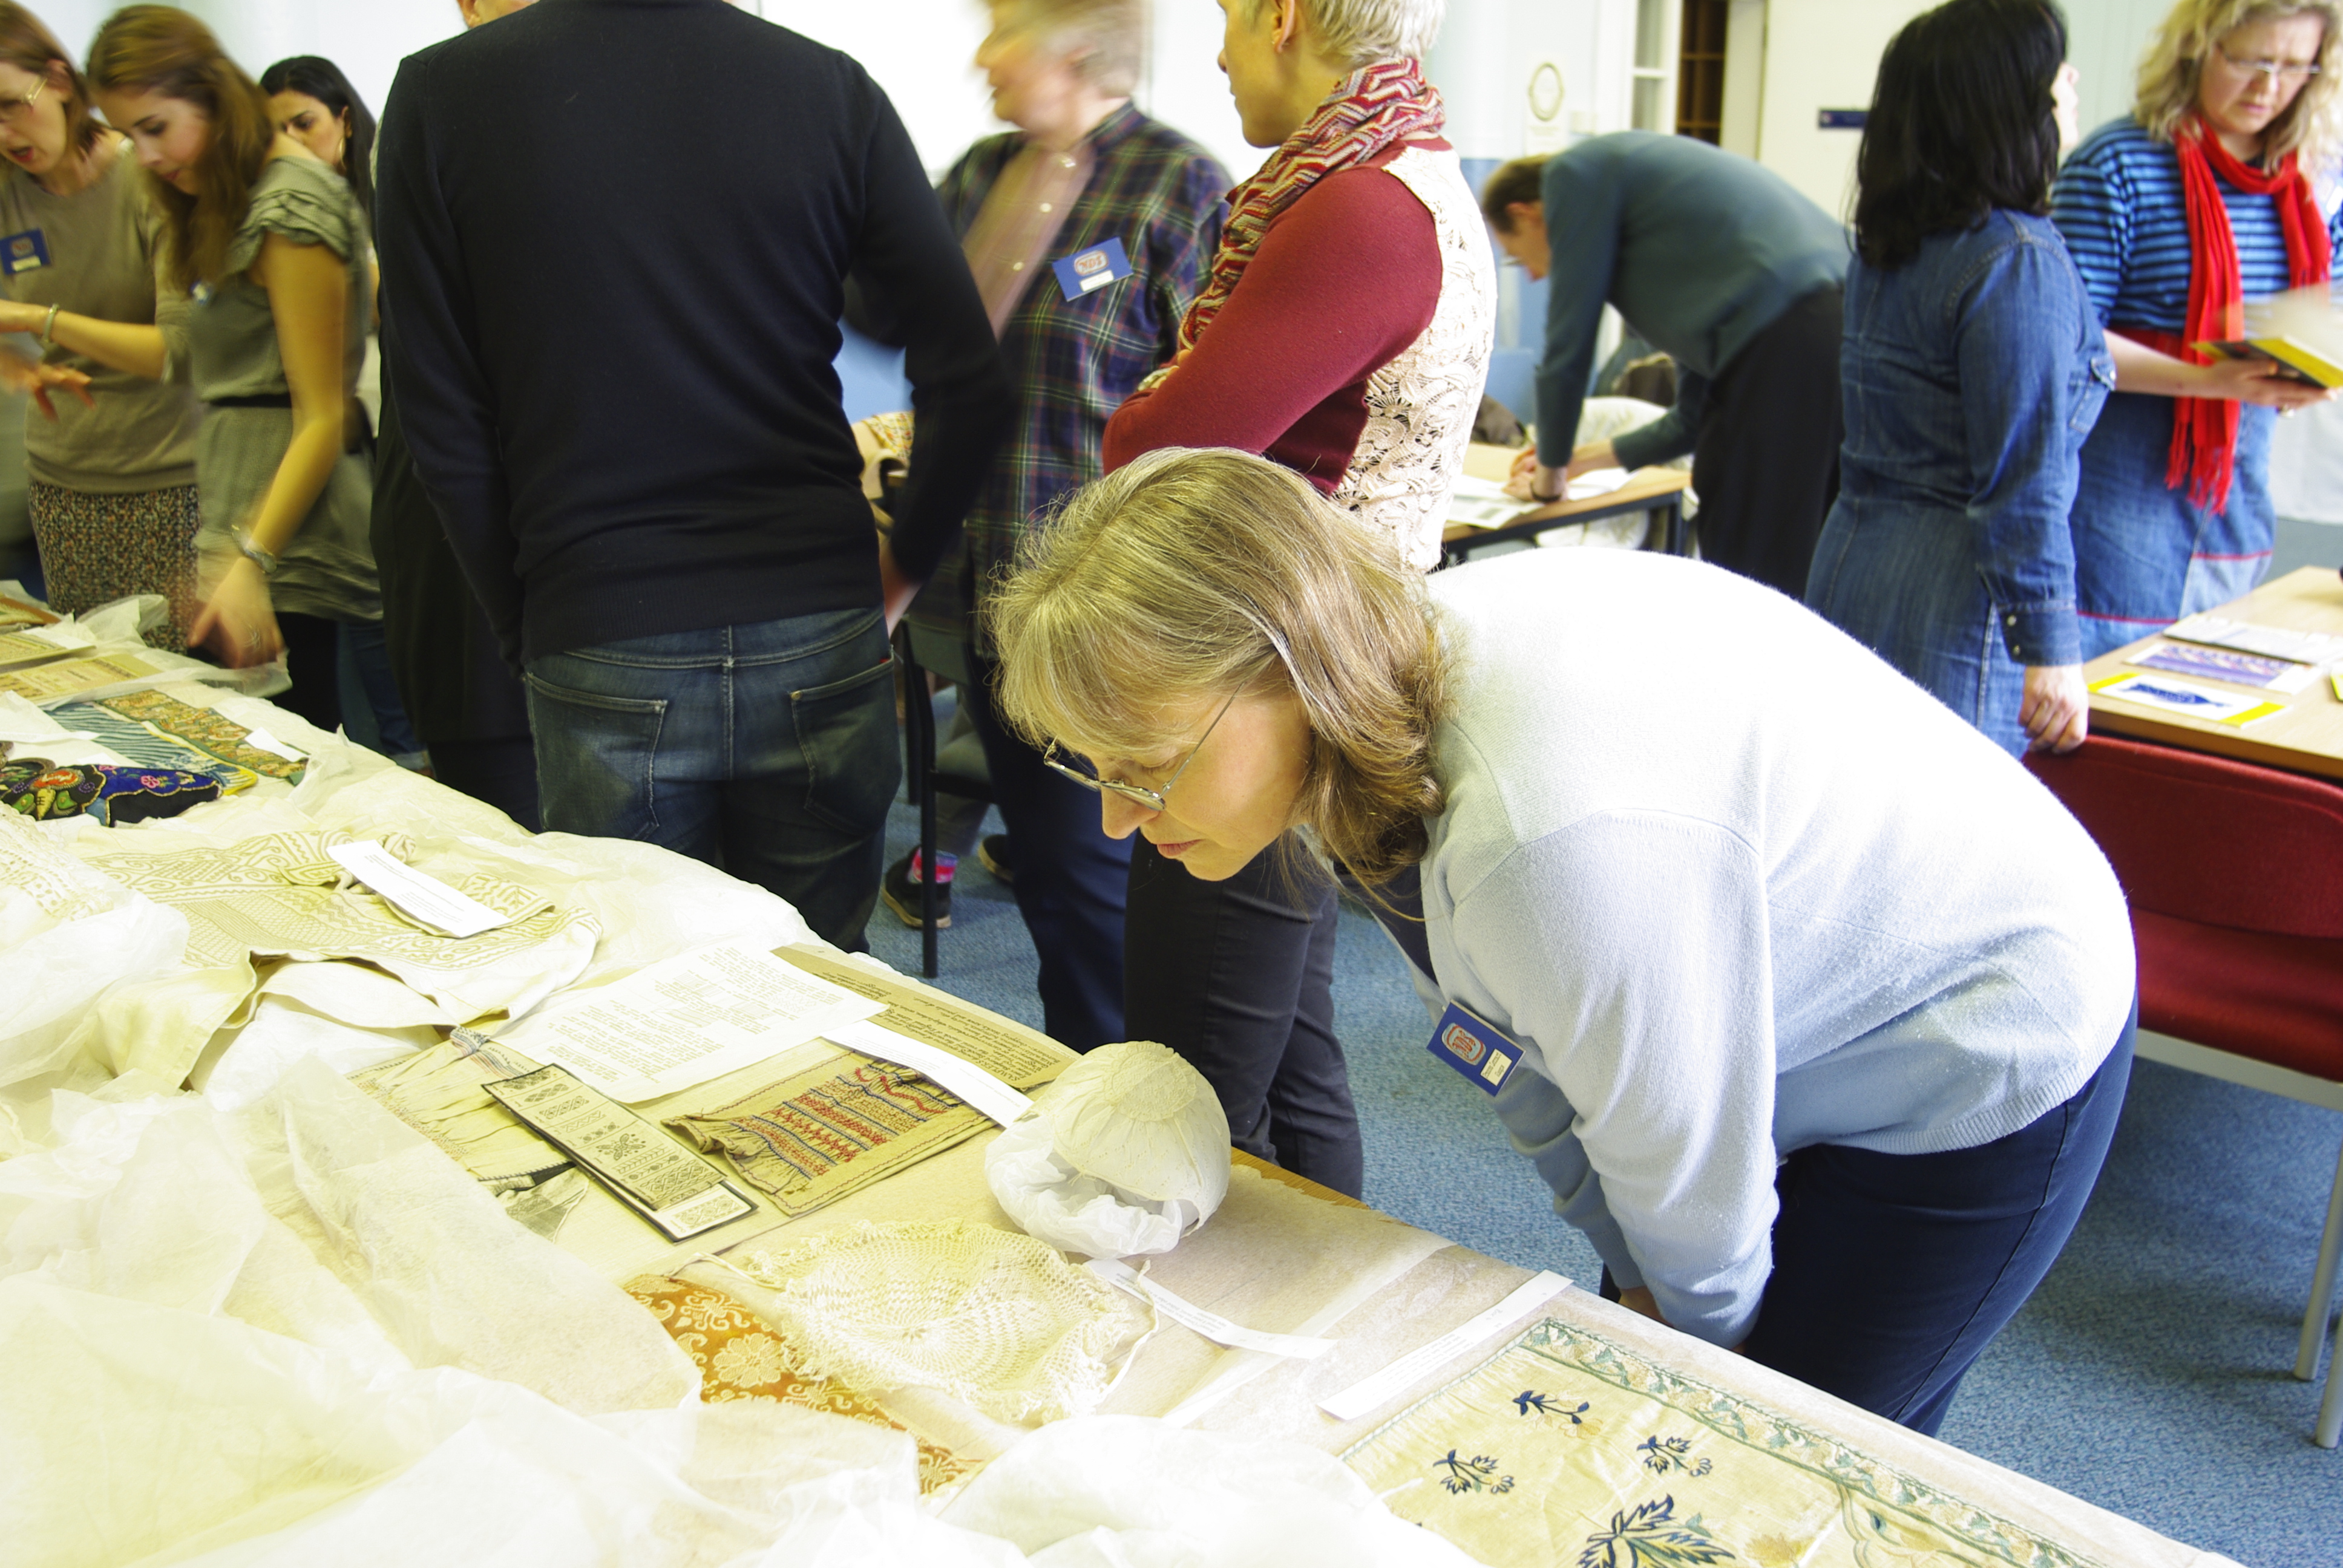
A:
(1737, 887)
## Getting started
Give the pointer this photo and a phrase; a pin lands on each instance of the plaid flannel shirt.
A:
(1071, 363)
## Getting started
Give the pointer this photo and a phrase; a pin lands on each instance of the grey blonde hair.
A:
(2173, 66)
(1355, 32)
(1192, 577)
(1110, 36)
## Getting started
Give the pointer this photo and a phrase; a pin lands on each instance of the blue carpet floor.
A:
(2150, 1375)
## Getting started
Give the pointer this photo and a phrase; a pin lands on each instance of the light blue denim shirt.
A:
(1972, 375)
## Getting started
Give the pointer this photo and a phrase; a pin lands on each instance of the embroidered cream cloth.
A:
(283, 894)
(1569, 1447)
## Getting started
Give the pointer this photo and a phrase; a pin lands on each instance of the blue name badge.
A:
(25, 252)
(1088, 271)
(1475, 1048)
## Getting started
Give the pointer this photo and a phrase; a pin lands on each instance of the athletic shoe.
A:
(901, 891)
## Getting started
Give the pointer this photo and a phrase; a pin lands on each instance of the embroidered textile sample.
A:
(282, 893)
(813, 1139)
(1566, 1447)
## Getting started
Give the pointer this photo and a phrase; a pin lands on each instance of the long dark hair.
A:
(323, 80)
(1961, 123)
(162, 49)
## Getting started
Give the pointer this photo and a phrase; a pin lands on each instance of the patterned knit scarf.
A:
(1373, 108)
(2204, 429)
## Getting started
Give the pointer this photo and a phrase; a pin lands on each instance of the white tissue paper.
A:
(1128, 1492)
(1126, 1153)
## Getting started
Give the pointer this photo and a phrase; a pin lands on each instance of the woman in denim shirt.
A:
(1973, 370)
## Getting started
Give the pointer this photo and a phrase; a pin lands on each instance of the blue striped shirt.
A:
(2118, 202)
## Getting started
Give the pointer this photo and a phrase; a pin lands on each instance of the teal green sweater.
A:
(1700, 250)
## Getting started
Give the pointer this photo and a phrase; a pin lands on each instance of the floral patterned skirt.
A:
(96, 547)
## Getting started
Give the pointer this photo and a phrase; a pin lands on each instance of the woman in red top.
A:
(1344, 332)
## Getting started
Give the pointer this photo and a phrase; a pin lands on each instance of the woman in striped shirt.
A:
(2199, 201)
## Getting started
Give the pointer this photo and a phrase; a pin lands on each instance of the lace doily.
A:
(996, 1319)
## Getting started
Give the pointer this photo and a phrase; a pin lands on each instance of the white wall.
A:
(920, 52)
(1786, 59)
(1745, 77)
(2105, 41)
(1822, 54)
(1488, 49)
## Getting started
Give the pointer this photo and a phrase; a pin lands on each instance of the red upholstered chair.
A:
(2235, 876)
(2235, 886)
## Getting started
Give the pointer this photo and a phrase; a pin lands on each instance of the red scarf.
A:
(1373, 108)
(2204, 429)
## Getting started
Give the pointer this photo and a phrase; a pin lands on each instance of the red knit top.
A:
(1343, 282)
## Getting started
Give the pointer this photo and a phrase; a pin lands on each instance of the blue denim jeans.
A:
(766, 749)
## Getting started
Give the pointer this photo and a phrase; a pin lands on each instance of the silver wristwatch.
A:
(254, 553)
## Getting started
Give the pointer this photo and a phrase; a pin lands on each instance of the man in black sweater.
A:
(609, 327)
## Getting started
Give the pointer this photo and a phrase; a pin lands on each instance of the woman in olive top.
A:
(273, 246)
(112, 470)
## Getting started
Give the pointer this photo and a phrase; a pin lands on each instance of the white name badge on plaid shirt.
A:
(1088, 271)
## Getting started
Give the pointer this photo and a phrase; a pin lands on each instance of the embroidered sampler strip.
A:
(810, 1139)
(1566, 1447)
(201, 730)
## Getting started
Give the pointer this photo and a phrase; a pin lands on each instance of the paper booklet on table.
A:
(47, 683)
(797, 1128)
(2263, 642)
(1485, 504)
(2186, 698)
(685, 1020)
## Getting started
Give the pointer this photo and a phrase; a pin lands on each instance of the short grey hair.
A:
(1110, 36)
(1357, 33)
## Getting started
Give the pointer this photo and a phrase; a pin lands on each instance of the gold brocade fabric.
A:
(1569, 1448)
(740, 1357)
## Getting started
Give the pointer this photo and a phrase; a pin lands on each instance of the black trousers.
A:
(1238, 977)
(1766, 462)
(468, 708)
(1071, 878)
(313, 659)
(499, 770)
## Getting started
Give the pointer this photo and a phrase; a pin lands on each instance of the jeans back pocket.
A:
(596, 759)
(846, 734)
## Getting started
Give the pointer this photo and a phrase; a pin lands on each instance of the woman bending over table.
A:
(1971, 369)
(1821, 1038)
(272, 245)
(2200, 200)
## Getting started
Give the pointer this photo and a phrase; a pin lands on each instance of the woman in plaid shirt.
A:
(1085, 189)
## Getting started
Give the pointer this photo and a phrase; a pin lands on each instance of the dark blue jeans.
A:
(766, 749)
(1892, 1272)
(1070, 876)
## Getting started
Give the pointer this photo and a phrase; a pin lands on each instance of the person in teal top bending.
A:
(1723, 266)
